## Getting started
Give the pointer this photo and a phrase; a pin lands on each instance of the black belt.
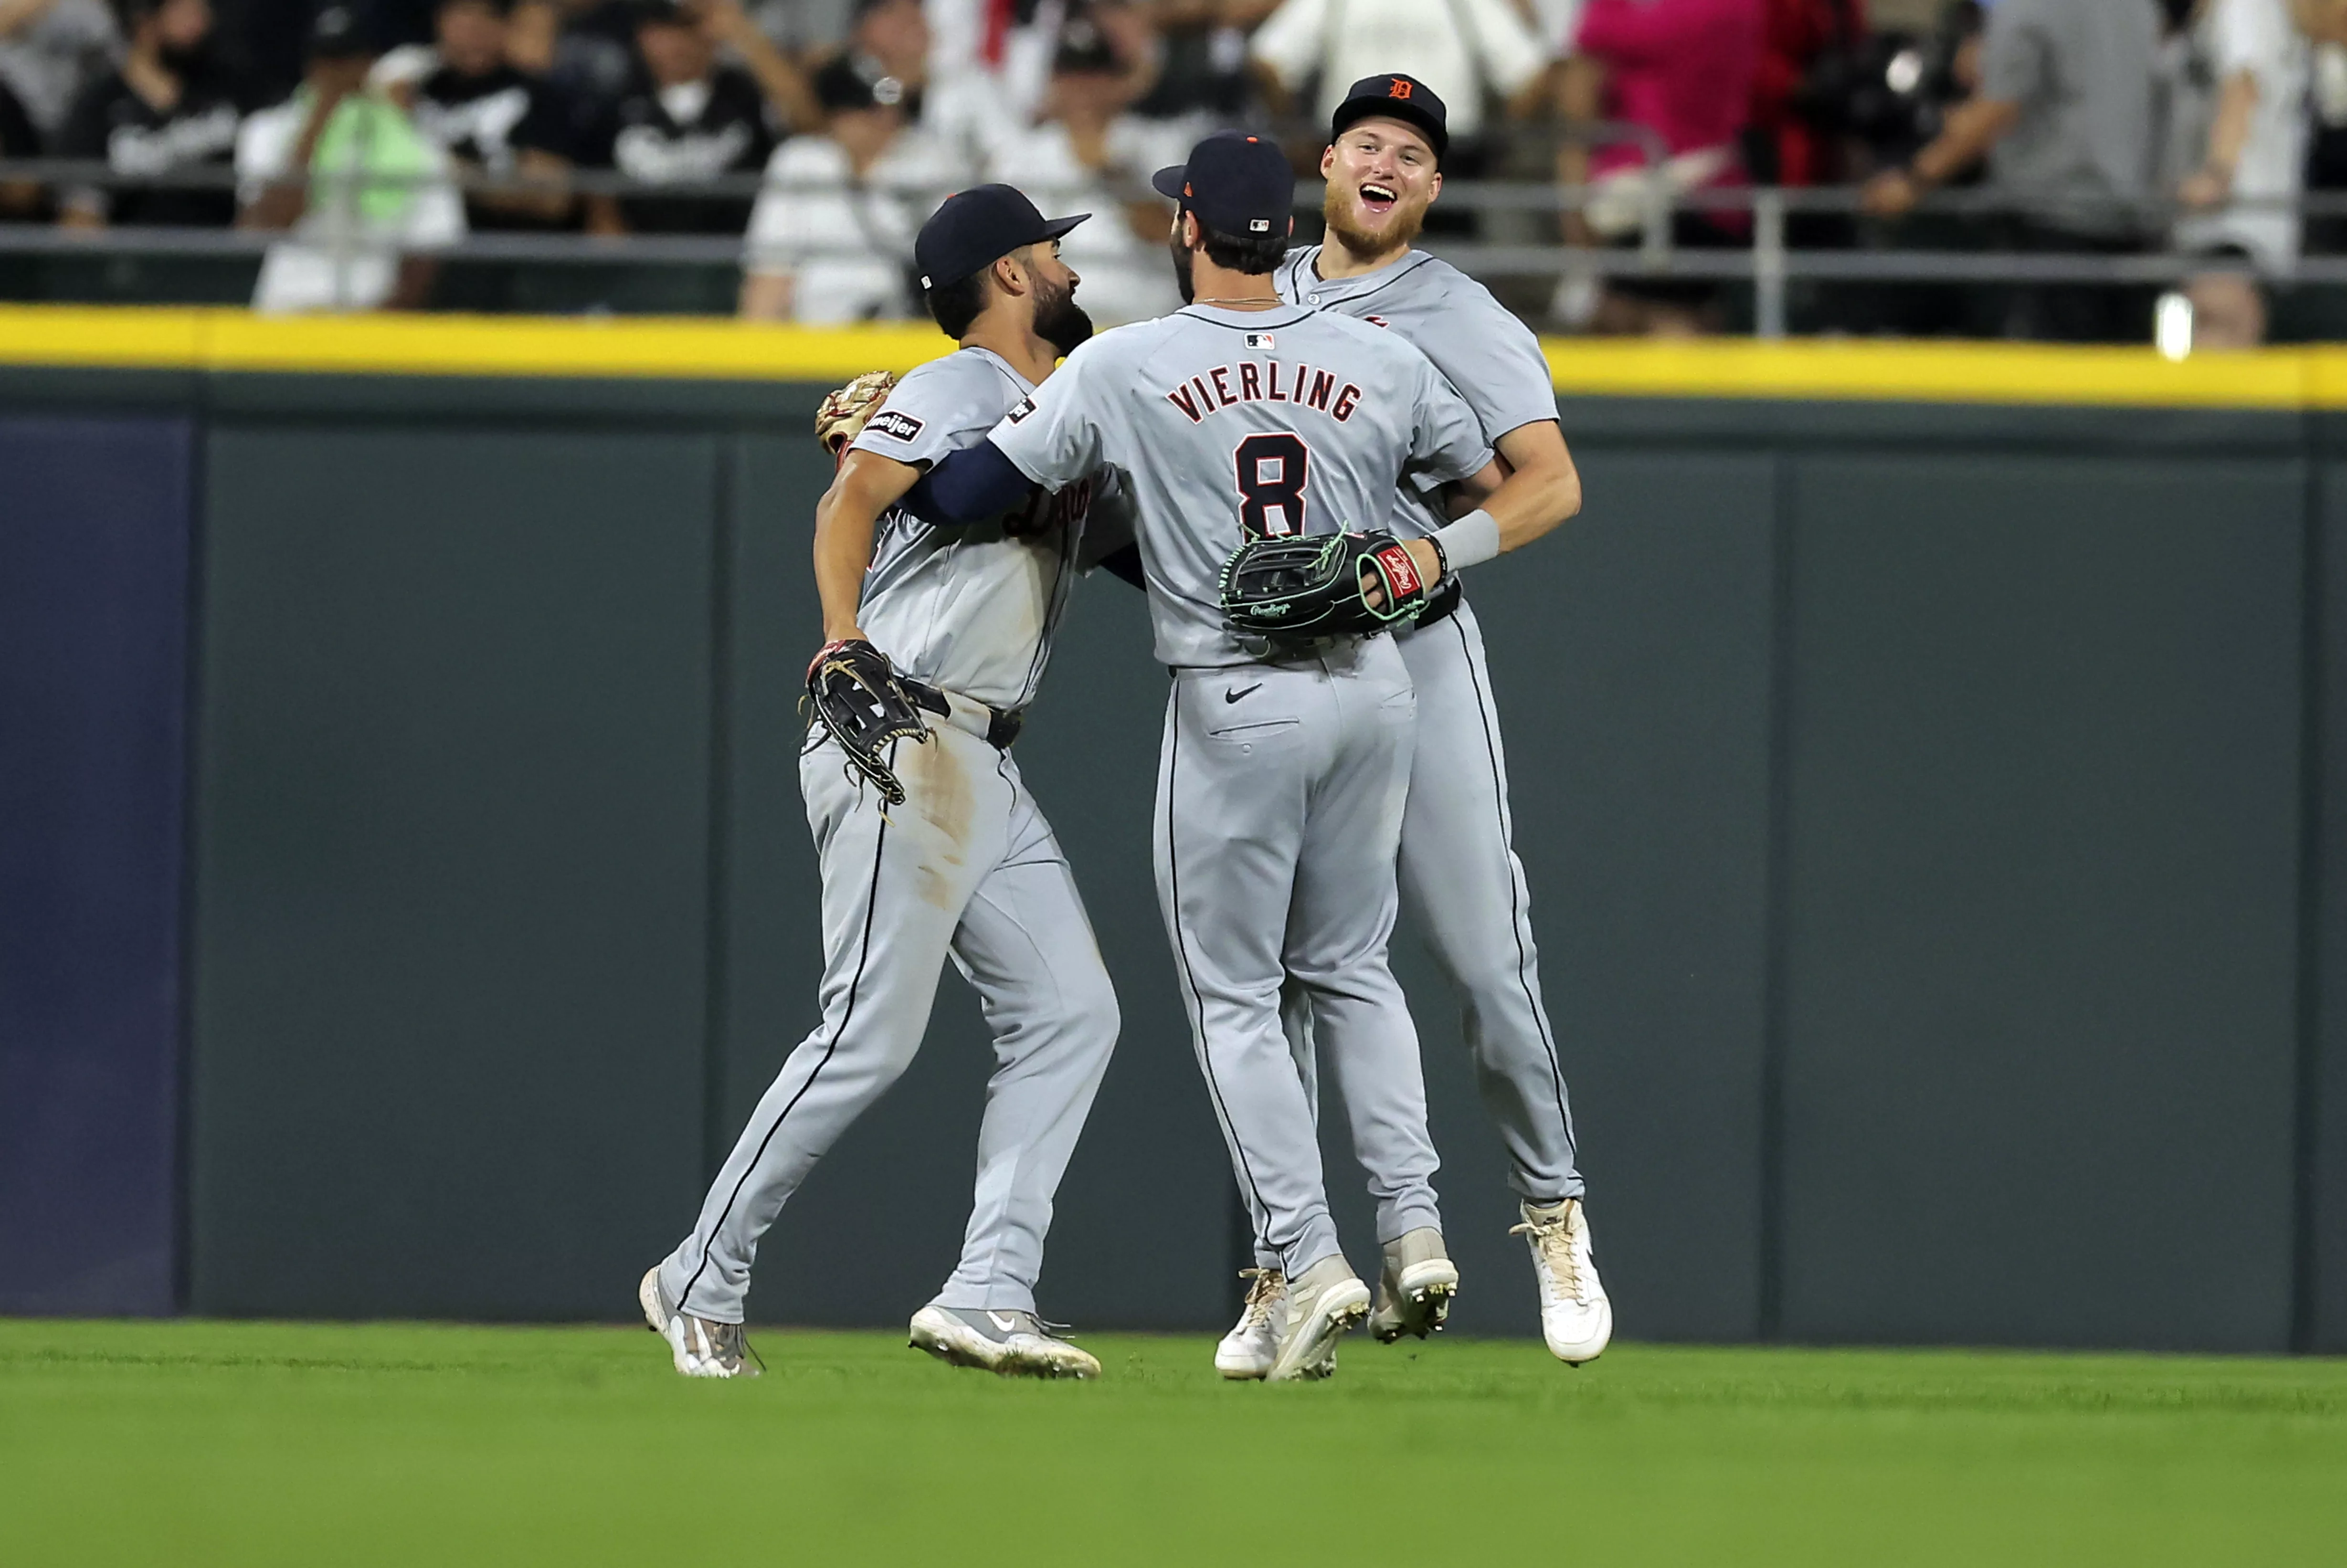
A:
(1443, 605)
(1001, 728)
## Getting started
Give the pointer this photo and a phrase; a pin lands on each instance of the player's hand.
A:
(1422, 554)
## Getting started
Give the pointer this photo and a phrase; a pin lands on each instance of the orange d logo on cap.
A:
(1401, 88)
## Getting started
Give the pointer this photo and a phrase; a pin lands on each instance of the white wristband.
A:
(1471, 541)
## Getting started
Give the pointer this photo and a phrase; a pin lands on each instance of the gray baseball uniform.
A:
(968, 867)
(1281, 781)
(1460, 873)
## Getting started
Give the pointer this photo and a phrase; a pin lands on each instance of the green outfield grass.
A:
(319, 1444)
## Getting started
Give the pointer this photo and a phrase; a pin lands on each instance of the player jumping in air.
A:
(929, 843)
(1238, 420)
(1460, 875)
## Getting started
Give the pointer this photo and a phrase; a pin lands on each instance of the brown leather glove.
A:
(847, 410)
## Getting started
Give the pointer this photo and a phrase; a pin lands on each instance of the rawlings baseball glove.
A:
(856, 695)
(1320, 585)
(846, 411)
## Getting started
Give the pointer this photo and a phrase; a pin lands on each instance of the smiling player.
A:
(1460, 878)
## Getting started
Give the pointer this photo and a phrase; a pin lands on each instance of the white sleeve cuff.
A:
(1471, 541)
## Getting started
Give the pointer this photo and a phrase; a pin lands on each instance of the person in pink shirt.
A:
(1683, 70)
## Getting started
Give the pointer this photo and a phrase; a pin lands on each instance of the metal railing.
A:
(1769, 262)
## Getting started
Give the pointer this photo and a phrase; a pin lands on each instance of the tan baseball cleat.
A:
(1416, 1287)
(1325, 1303)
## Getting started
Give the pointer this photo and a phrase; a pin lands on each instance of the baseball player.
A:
(939, 637)
(1283, 771)
(1460, 875)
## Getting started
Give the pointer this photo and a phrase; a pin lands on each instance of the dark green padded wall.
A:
(2042, 899)
(451, 898)
(2323, 1068)
(504, 907)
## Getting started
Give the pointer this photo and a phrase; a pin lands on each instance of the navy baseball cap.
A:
(1238, 185)
(1404, 99)
(977, 227)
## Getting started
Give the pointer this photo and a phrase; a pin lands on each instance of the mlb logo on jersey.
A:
(1259, 342)
(1026, 406)
(895, 423)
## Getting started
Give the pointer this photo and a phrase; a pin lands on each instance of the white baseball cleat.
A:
(1013, 1344)
(1253, 1344)
(1576, 1320)
(1416, 1288)
(1324, 1304)
(699, 1347)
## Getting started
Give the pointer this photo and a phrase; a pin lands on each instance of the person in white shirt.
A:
(362, 238)
(51, 50)
(1085, 153)
(831, 238)
(1460, 48)
(2258, 57)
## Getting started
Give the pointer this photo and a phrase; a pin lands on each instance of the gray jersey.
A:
(1229, 424)
(969, 609)
(1478, 345)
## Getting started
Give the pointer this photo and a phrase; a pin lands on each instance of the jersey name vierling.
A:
(1226, 385)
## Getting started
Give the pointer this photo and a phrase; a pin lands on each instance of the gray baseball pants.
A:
(1467, 895)
(966, 868)
(1279, 808)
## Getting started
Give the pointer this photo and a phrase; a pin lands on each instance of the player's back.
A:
(1481, 348)
(969, 609)
(1231, 424)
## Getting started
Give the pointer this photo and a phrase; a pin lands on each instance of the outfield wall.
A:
(1918, 759)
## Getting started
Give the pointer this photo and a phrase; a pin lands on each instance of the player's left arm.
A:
(1535, 460)
(1522, 490)
(845, 521)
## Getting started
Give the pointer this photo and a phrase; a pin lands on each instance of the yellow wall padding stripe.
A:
(701, 349)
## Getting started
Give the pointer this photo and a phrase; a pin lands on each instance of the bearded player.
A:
(1460, 878)
(936, 641)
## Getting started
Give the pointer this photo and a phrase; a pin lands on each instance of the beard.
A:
(1060, 322)
(1184, 279)
(1368, 244)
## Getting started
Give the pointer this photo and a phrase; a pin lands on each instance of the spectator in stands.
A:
(2239, 96)
(493, 119)
(2065, 118)
(989, 62)
(889, 42)
(19, 199)
(1203, 72)
(831, 238)
(1811, 52)
(363, 194)
(1088, 154)
(171, 105)
(49, 50)
(690, 119)
(1463, 49)
(806, 30)
(1682, 70)
(587, 48)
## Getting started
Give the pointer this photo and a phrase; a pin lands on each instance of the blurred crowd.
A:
(372, 136)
